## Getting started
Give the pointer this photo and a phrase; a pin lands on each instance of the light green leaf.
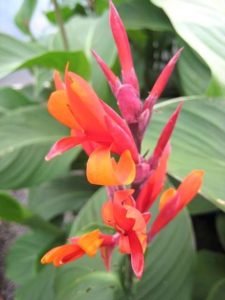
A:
(197, 143)
(15, 54)
(169, 263)
(209, 270)
(24, 15)
(201, 24)
(26, 135)
(194, 74)
(64, 194)
(218, 291)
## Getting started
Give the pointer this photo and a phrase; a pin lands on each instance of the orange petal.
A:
(90, 242)
(166, 196)
(58, 107)
(103, 170)
(190, 186)
(107, 213)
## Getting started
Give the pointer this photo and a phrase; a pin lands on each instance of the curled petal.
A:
(90, 242)
(64, 145)
(104, 170)
(122, 43)
(107, 214)
(166, 196)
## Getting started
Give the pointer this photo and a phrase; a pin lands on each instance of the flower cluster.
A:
(101, 132)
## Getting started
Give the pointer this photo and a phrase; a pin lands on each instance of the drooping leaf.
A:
(15, 54)
(26, 135)
(201, 24)
(197, 142)
(210, 268)
(64, 194)
(24, 15)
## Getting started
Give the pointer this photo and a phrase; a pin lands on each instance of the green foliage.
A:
(24, 15)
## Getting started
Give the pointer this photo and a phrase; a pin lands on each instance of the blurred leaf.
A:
(218, 291)
(169, 263)
(15, 54)
(198, 142)
(220, 226)
(24, 15)
(201, 24)
(194, 74)
(26, 135)
(12, 210)
(23, 258)
(40, 287)
(64, 194)
(89, 286)
(66, 13)
(200, 206)
(209, 270)
(143, 14)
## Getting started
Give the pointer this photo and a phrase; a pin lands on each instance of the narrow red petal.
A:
(165, 137)
(137, 255)
(63, 145)
(59, 84)
(161, 81)
(123, 47)
(113, 80)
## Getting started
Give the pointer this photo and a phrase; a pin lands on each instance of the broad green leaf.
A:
(209, 270)
(64, 194)
(220, 226)
(40, 287)
(88, 286)
(168, 263)
(26, 135)
(218, 291)
(197, 143)
(12, 99)
(194, 74)
(23, 258)
(201, 24)
(15, 54)
(12, 210)
(24, 15)
(143, 14)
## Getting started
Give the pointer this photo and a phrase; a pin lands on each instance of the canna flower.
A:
(173, 201)
(96, 127)
(121, 213)
(89, 243)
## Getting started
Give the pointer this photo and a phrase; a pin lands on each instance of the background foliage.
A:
(176, 268)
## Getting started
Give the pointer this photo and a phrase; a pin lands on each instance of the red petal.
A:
(123, 47)
(165, 136)
(64, 145)
(154, 184)
(161, 81)
(59, 84)
(113, 80)
(137, 255)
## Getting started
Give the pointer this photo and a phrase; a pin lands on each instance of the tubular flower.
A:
(102, 132)
(130, 223)
(88, 243)
(173, 201)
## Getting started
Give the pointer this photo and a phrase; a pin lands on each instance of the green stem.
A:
(59, 20)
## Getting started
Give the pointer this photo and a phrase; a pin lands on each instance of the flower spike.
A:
(123, 46)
